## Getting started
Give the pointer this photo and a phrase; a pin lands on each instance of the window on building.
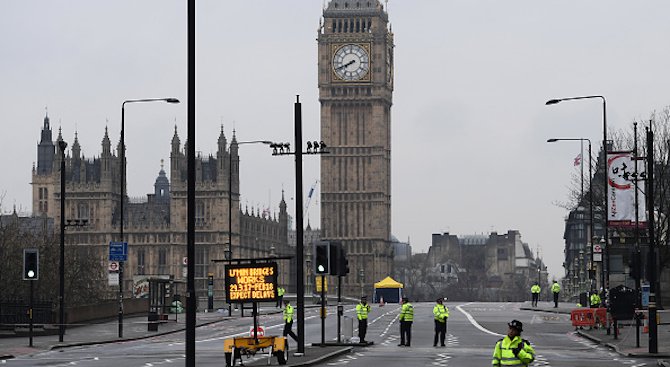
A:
(162, 261)
(200, 261)
(502, 254)
(140, 262)
(199, 213)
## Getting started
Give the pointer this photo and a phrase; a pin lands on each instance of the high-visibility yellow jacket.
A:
(555, 288)
(362, 311)
(407, 312)
(280, 291)
(441, 312)
(288, 313)
(595, 299)
(535, 289)
(504, 352)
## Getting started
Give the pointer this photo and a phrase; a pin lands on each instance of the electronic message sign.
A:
(251, 282)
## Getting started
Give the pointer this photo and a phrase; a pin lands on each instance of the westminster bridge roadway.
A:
(473, 329)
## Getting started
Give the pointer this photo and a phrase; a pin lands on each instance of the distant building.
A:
(495, 266)
(155, 226)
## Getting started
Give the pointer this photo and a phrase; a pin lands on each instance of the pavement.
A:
(626, 343)
(136, 328)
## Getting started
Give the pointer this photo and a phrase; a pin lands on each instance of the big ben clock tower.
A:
(355, 91)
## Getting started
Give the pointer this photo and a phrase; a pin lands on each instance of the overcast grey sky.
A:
(469, 123)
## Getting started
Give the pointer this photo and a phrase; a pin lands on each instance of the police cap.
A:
(516, 324)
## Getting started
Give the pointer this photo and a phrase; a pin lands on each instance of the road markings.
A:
(442, 360)
(474, 322)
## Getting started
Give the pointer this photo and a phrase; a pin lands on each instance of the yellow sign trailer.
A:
(235, 348)
(253, 283)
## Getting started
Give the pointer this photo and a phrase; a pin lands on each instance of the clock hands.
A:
(345, 65)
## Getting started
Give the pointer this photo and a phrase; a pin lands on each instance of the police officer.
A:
(362, 311)
(441, 313)
(512, 350)
(535, 293)
(280, 295)
(595, 300)
(555, 289)
(406, 319)
(288, 321)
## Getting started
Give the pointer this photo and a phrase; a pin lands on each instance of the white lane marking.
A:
(474, 322)
(391, 323)
(238, 334)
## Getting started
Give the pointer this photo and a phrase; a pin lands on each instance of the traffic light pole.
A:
(323, 310)
(30, 314)
(284, 149)
(339, 308)
(61, 284)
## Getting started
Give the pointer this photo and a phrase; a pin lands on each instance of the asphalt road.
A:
(473, 329)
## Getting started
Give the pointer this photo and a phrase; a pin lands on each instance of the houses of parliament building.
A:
(155, 227)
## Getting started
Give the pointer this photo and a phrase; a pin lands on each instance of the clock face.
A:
(351, 62)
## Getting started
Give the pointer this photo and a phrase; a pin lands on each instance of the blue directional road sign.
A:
(118, 251)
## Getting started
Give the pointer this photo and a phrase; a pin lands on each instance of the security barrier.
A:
(590, 317)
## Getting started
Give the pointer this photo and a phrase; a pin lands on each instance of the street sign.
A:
(260, 331)
(598, 257)
(317, 284)
(118, 251)
(113, 278)
(597, 249)
(251, 282)
(113, 266)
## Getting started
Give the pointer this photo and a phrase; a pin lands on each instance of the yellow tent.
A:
(389, 290)
(388, 282)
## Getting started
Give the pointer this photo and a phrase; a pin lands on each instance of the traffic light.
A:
(31, 264)
(321, 258)
(343, 263)
(334, 252)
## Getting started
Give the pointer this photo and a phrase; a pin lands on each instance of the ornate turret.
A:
(175, 157)
(106, 145)
(76, 148)
(106, 158)
(45, 150)
(222, 157)
(235, 159)
(162, 186)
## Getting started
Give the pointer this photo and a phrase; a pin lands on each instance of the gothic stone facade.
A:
(355, 66)
(155, 227)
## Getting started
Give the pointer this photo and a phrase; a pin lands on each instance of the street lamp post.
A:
(230, 203)
(605, 281)
(285, 149)
(581, 140)
(61, 288)
(123, 191)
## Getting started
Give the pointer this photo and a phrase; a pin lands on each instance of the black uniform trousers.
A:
(362, 329)
(536, 296)
(288, 330)
(440, 331)
(405, 332)
(555, 299)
